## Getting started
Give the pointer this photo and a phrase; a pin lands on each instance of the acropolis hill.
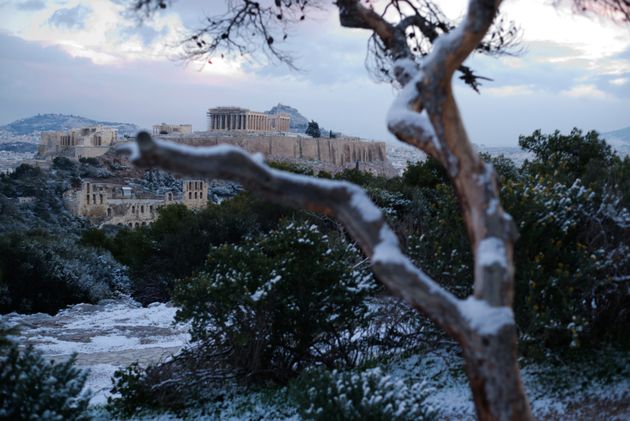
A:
(272, 134)
(269, 135)
(116, 197)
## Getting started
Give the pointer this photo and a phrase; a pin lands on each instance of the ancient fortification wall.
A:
(328, 154)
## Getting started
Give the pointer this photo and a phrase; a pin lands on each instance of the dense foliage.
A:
(177, 244)
(313, 129)
(43, 268)
(361, 395)
(42, 272)
(32, 388)
(278, 302)
(573, 258)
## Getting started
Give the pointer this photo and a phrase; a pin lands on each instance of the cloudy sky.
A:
(89, 58)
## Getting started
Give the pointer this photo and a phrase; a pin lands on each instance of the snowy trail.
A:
(105, 336)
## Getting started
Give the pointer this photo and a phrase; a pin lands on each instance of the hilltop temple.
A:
(235, 118)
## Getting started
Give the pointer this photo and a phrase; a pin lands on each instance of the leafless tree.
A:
(617, 10)
(417, 48)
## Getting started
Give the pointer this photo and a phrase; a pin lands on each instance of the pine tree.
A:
(313, 129)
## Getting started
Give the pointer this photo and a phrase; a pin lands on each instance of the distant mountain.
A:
(298, 124)
(18, 147)
(49, 122)
(621, 134)
(619, 140)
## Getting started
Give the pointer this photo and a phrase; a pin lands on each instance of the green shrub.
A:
(291, 167)
(177, 244)
(572, 251)
(130, 394)
(41, 272)
(278, 302)
(32, 388)
(64, 164)
(360, 396)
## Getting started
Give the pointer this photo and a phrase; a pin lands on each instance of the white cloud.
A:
(511, 90)
(619, 81)
(594, 38)
(585, 91)
(98, 30)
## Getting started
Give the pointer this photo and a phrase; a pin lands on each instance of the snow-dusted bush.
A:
(370, 395)
(131, 393)
(572, 260)
(278, 302)
(573, 257)
(32, 388)
(177, 244)
(47, 209)
(42, 272)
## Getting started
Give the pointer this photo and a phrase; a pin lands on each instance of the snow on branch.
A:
(485, 319)
(344, 201)
(452, 48)
(410, 126)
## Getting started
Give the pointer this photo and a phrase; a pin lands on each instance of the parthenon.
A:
(235, 118)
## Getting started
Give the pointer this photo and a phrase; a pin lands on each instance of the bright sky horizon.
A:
(87, 58)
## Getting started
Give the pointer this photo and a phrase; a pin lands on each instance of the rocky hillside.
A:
(48, 122)
(298, 124)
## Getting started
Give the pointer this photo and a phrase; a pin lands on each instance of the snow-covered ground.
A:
(116, 333)
(105, 336)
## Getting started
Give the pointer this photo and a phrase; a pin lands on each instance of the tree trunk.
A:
(492, 369)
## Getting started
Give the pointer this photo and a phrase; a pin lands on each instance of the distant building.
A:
(164, 128)
(87, 142)
(234, 118)
(114, 203)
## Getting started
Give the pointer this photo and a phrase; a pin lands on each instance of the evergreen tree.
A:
(313, 129)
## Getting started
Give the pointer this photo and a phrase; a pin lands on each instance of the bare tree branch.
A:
(421, 23)
(617, 10)
(249, 27)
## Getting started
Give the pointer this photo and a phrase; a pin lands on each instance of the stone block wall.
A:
(334, 154)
